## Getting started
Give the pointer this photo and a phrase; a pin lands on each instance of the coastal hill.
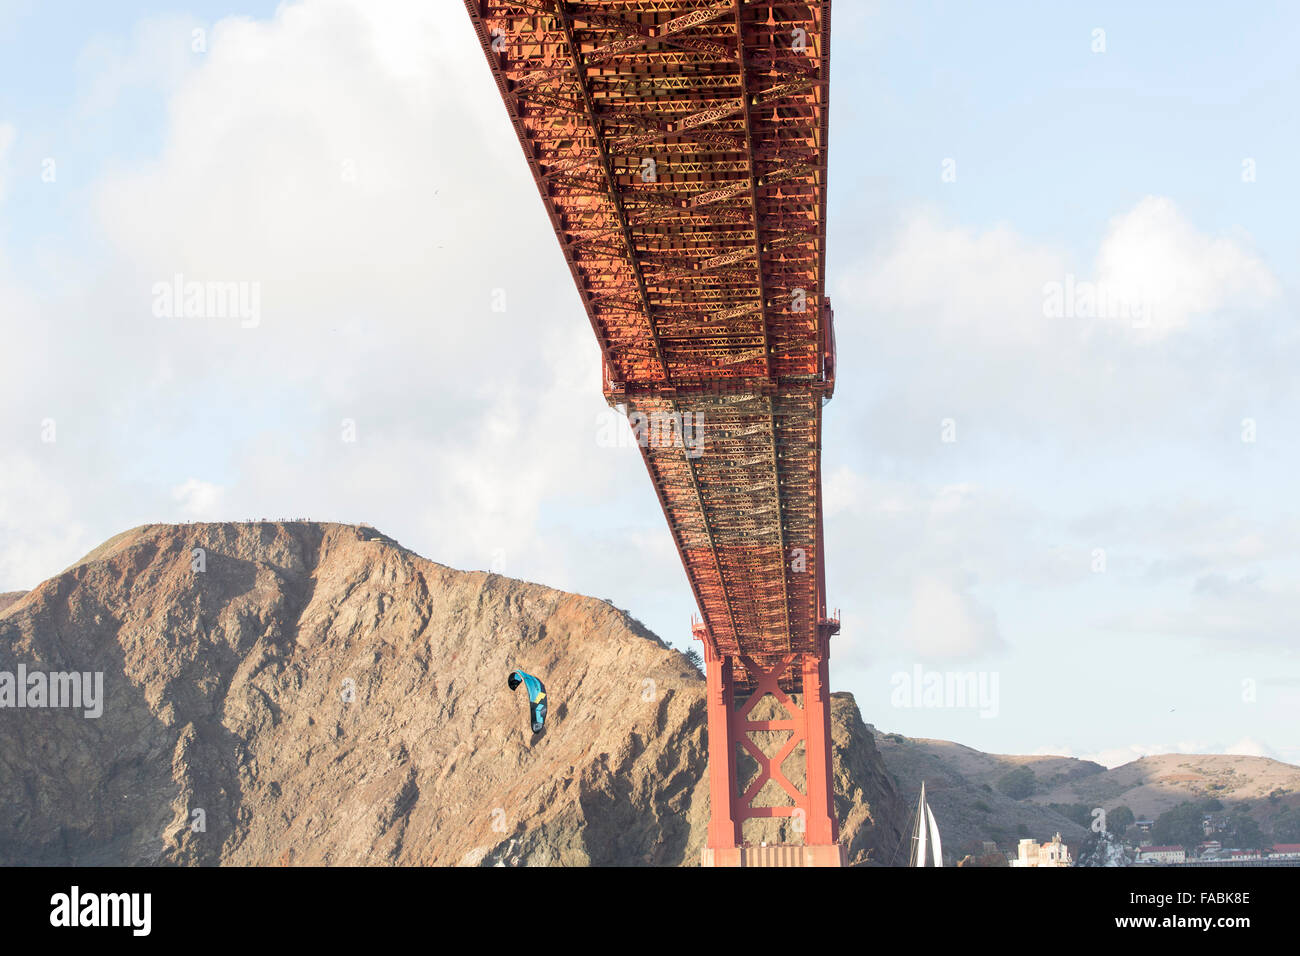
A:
(313, 693)
(965, 788)
(309, 693)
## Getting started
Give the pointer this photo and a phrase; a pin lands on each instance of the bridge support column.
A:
(729, 727)
(724, 827)
(822, 827)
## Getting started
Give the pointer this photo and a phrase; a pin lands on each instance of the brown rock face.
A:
(303, 693)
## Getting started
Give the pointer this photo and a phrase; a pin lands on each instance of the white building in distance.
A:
(1162, 854)
(1032, 853)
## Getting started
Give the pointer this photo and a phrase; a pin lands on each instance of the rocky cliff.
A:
(303, 693)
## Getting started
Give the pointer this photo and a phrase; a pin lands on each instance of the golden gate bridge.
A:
(680, 150)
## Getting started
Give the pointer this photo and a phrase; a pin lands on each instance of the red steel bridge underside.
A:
(680, 147)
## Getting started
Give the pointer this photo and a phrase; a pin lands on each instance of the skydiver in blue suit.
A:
(536, 697)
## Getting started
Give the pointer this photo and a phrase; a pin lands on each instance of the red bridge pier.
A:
(809, 724)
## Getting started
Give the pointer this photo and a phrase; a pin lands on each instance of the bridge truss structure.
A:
(680, 149)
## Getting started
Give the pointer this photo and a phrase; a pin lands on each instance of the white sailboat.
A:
(925, 826)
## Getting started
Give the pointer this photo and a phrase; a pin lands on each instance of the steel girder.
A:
(680, 147)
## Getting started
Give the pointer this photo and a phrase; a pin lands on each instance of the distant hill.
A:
(1151, 785)
(979, 768)
(961, 787)
(9, 597)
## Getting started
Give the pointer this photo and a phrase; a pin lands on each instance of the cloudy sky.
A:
(1063, 451)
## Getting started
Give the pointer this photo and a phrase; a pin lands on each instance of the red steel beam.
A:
(680, 149)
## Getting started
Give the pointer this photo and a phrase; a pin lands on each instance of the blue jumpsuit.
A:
(536, 696)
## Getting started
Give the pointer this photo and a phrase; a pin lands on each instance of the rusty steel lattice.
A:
(680, 147)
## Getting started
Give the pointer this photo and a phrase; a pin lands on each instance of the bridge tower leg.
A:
(729, 728)
(822, 828)
(724, 826)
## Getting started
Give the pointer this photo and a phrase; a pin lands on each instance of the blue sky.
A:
(1099, 534)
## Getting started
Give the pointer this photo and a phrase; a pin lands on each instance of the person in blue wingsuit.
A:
(536, 697)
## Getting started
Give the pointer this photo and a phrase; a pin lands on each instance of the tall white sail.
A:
(934, 837)
(920, 828)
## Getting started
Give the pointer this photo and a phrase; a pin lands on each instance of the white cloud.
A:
(957, 324)
(157, 56)
(41, 524)
(918, 527)
(1261, 616)
(1154, 256)
(949, 324)
(198, 499)
(947, 622)
(355, 160)
(1250, 747)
